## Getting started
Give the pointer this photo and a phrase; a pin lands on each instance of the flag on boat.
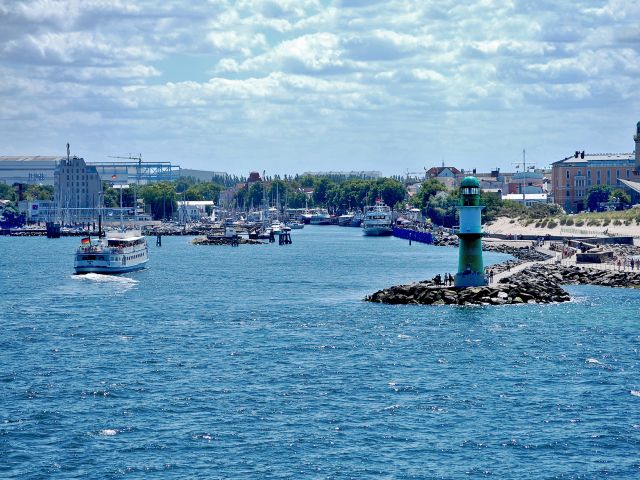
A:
(85, 241)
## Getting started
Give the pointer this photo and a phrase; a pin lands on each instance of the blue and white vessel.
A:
(118, 252)
(377, 220)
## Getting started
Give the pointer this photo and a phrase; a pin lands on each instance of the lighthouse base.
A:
(470, 279)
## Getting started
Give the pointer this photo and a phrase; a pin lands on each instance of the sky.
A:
(289, 86)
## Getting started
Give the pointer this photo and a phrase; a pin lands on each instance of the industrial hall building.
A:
(572, 177)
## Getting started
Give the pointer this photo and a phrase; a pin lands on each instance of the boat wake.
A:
(100, 278)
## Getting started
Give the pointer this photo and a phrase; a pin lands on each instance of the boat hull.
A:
(320, 221)
(377, 231)
(82, 269)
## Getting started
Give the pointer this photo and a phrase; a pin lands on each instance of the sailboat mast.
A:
(121, 209)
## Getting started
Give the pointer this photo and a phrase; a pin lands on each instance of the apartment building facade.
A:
(572, 177)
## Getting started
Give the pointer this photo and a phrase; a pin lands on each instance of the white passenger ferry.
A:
(377, 220)
(119, 252)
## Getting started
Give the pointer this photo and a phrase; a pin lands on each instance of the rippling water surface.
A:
(263, 362)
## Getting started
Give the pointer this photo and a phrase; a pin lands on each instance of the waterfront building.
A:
(77, 190)
(253, 177)
(633, 188)
(194, 210)
(572, 177)
(526, 182)
(40, 170)
(38, 210)
(445, 175)
(28, 169)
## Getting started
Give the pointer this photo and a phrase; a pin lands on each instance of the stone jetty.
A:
(538, 283)
(516, 291)
(572, 275)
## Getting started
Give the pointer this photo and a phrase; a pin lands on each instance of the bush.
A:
(617, 222)
(563, 221)
(606, 222)
(569, 221)
(592, 222)
(579, 223)
(552, 224)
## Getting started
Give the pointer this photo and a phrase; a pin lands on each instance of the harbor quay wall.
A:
(415, 235)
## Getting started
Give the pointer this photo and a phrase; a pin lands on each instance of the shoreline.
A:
(505, 226)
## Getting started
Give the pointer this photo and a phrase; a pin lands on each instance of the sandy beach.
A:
(506, 226)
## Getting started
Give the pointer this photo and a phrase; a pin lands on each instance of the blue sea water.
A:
(264, 362)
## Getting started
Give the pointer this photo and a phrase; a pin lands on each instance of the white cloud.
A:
(233, 41)
(345, 73)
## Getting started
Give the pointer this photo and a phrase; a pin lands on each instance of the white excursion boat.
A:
(377, 220)
(320, 216)
(119, 252)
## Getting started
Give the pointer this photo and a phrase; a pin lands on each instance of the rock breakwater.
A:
(521, 254)
(539, 283)
(572, 275)
(517, 291)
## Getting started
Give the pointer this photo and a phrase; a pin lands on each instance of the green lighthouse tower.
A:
(470, 265)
